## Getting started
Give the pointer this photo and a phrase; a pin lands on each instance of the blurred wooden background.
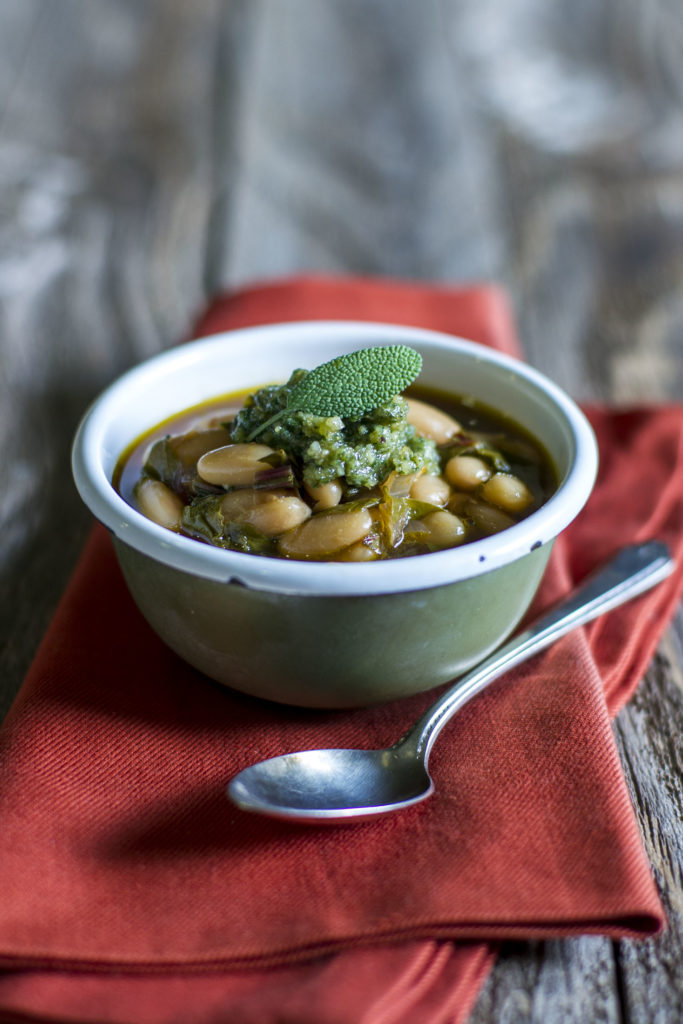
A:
(154, 151)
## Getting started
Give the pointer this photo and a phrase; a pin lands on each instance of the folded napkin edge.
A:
(640, 925)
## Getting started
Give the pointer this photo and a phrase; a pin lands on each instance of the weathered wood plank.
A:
(552, 982)
(106, 183)
(359, 148)
(649, 736)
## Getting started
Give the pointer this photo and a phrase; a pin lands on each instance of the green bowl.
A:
(330, 634)
(331, 651)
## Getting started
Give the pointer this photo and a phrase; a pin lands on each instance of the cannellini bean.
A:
(326, 495)
(159, 503)
(507, 492)
(192, 446)
(431, 422)
(280, 515)
(432, 489)
(444, 529)
(233, 465)
(270, 512)
(326, 533)
(358, 552)
(467, 471)
(487, 517)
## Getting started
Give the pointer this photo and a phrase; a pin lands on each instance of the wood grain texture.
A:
(106, 184)
(154, 151)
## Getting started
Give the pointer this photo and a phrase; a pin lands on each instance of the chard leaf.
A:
(395, 513)
(242, 537)
(203, 519)
(162, 463)
(274, 476)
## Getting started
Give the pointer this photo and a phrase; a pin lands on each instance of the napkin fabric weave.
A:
(134, 894)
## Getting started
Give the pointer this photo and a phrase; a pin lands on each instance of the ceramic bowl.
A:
(329, 634)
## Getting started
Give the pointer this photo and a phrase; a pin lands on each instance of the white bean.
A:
(270, 512)
(467, 471)
(431, 422)
(507, 492)
(326, 533)
(159, 503)
(488, 518)
(432, 489)
(326, 495)
(445, 530)
(190, 447)
(358, 552)
(233, 465)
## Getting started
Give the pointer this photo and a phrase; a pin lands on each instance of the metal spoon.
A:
(339, 785)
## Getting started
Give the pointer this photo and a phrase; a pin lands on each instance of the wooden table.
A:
(153, 151)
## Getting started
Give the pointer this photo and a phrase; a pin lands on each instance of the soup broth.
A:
(429, 471)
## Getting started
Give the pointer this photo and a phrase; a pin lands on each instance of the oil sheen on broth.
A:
(426, 472)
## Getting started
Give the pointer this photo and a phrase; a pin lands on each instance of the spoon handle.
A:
(632, 571)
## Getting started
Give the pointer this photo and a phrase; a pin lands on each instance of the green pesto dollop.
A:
(360, 451)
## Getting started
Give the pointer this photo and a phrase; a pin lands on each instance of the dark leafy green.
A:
(203, 519)
(394, 514)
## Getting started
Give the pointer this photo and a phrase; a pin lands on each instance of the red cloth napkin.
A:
(134, 893)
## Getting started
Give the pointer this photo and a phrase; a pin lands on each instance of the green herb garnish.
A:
(352, 384)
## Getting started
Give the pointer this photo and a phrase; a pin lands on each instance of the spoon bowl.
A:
(335, 784)
(339, 784)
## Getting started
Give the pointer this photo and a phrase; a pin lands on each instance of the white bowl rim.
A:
(337, 579)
